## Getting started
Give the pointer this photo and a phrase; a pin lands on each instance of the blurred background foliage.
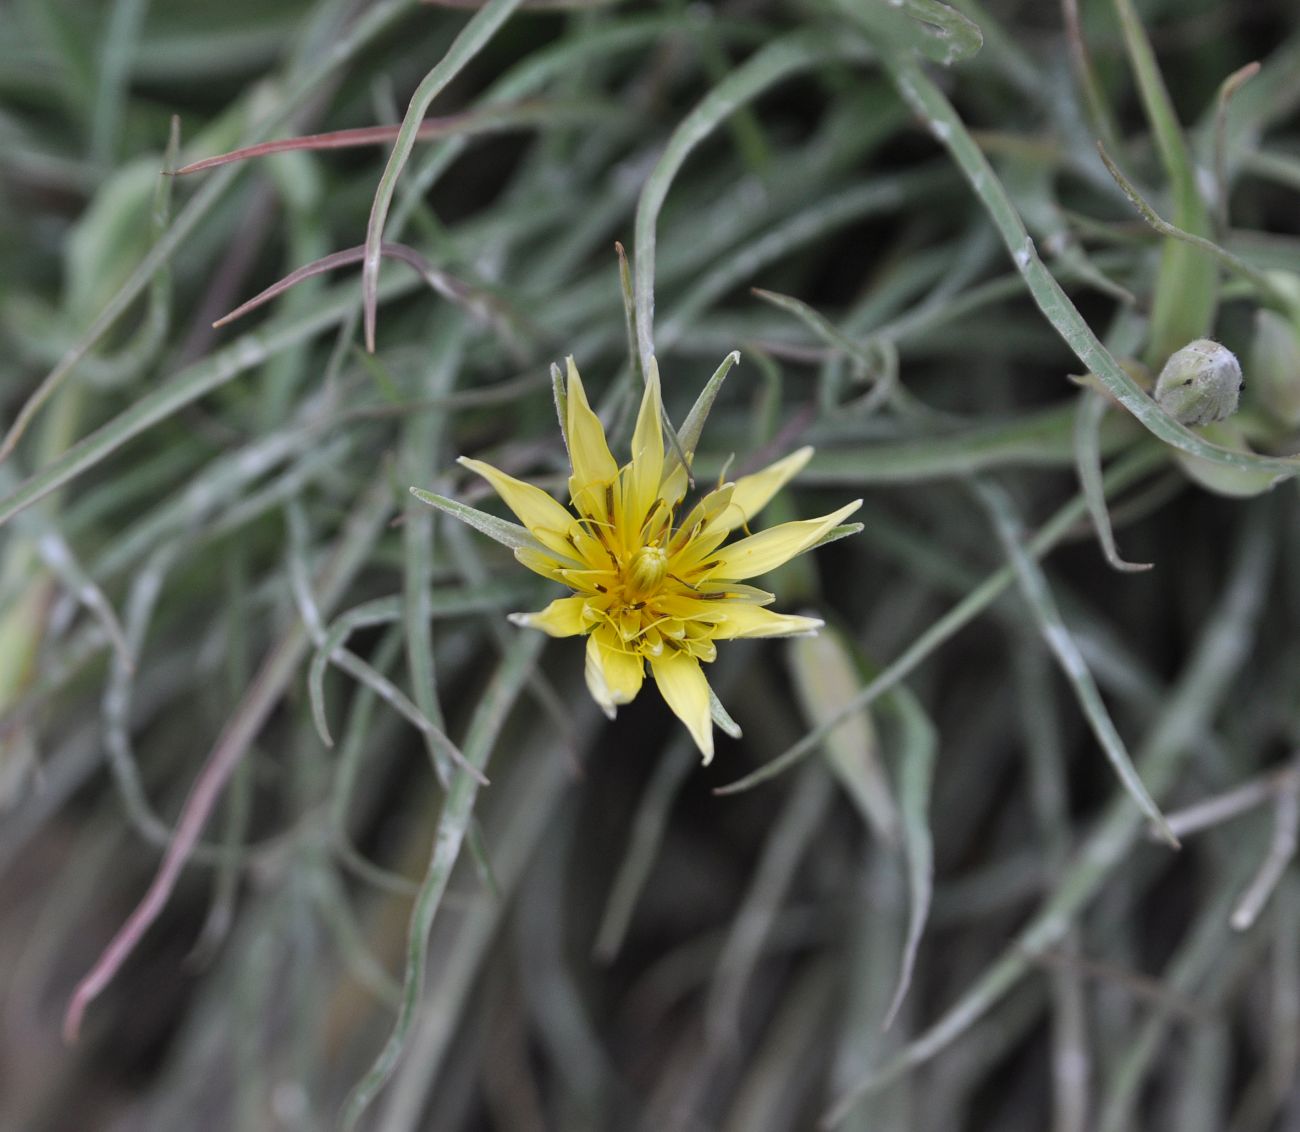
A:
(211, 570)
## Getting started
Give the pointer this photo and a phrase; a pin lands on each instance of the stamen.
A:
(648, 626)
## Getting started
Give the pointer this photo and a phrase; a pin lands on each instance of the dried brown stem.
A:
(440, 281)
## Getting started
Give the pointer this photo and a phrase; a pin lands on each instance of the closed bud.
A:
(646, 572)
(1200, 383)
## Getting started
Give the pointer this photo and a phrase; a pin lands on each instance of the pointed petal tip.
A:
(837, 517)
(760, 553)
(685, 690)
(753, 492)
(589, 455)
(573, 380)
(703, 741)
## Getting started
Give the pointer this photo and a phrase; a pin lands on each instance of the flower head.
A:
(653, 582)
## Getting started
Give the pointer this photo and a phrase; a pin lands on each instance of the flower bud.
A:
(1275, 367)
(1200, 383)
(646, 571)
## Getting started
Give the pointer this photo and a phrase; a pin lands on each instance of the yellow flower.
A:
(649, 585)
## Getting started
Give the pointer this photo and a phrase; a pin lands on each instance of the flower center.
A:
(644, 573)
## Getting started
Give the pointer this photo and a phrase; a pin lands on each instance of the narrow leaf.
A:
(917, 747)
(826, 676)
(1186, 289)
(1042, 605)
(1087, 454)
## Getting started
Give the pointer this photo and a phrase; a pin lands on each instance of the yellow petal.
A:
(699, 532)
(752, 493)
(539, 562)
(544, 517)
(694, 607)
(772, 548)
(683, 686)
(588, 581)
(734, 591)
(743, 619)
(613, 675)
(702, 648)
(675, 483)
(588, 450)
(564, 617)
(647, 469)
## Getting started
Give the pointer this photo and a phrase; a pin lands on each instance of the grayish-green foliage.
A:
(302, 832)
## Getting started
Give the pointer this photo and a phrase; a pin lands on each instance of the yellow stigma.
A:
(646, 570)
